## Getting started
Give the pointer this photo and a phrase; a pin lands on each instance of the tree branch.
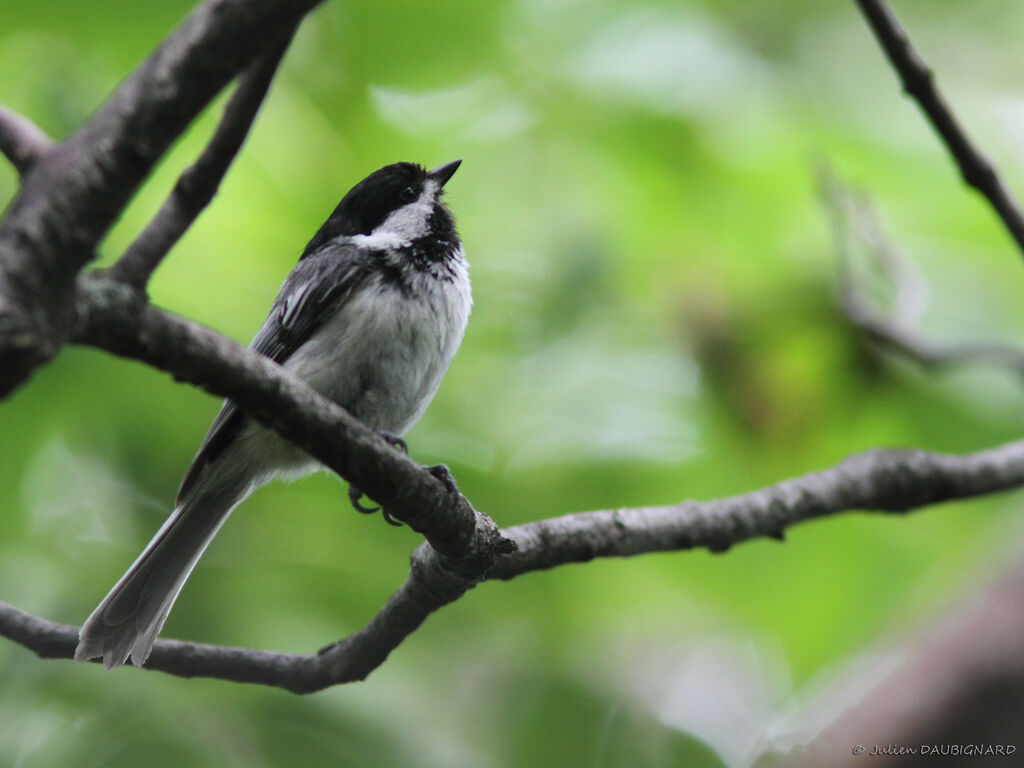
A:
(879, 480)
(106, 159)
(198, 184)
(919, 83)
(429, 586)
(853, 219)
(116, 317)
(73, 193)
(21, 141)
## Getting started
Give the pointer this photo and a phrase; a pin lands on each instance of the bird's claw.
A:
(394, 441)
(442, 473)
(355, 496)
(439, 471)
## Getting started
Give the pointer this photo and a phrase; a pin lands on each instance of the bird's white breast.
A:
(383, 354)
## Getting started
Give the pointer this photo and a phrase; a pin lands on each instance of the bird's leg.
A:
(355, 495)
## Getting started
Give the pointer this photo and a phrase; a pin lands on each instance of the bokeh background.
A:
(655, 320)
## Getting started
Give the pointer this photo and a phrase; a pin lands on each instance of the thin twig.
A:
(198, 184)
(21, 141)
(853, 219)
(879, 480)
(919, 83)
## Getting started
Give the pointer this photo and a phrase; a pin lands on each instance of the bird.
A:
(371, 317)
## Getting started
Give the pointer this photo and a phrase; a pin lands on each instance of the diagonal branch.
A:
(115, 317)
(21, 141)
(73, 193)
(878, 480)
(853, 219)
(198, 184)
(919, 83)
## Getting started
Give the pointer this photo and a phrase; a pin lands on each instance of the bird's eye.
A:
(407, 194)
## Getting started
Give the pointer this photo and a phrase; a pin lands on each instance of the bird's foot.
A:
(442, 473)
(394, 441)
(355, 495)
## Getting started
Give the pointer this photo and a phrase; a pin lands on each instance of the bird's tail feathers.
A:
(128, 620)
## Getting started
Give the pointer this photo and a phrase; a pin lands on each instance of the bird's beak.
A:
(445, 172)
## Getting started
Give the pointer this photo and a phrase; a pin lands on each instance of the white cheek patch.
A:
(403, 225)
(408, 222)
(377, 240)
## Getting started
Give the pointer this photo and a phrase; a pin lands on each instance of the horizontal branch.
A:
(116, 318)
(21, 141)
(463, 546)
(429, 586)
(919, 83)
(882, 480)
(879, 480)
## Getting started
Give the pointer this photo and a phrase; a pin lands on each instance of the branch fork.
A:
(72, 191)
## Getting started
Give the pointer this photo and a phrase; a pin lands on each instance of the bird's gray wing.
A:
(312, 292)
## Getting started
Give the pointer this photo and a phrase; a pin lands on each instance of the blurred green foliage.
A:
(655, 320)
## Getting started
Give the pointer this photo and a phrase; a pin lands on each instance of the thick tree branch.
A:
(919, 83)
(880, 480)
(72, 194)
(198, 184)
(116, 317)
(21, 141)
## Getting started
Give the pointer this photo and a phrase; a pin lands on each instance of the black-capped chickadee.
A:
(371, 317)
